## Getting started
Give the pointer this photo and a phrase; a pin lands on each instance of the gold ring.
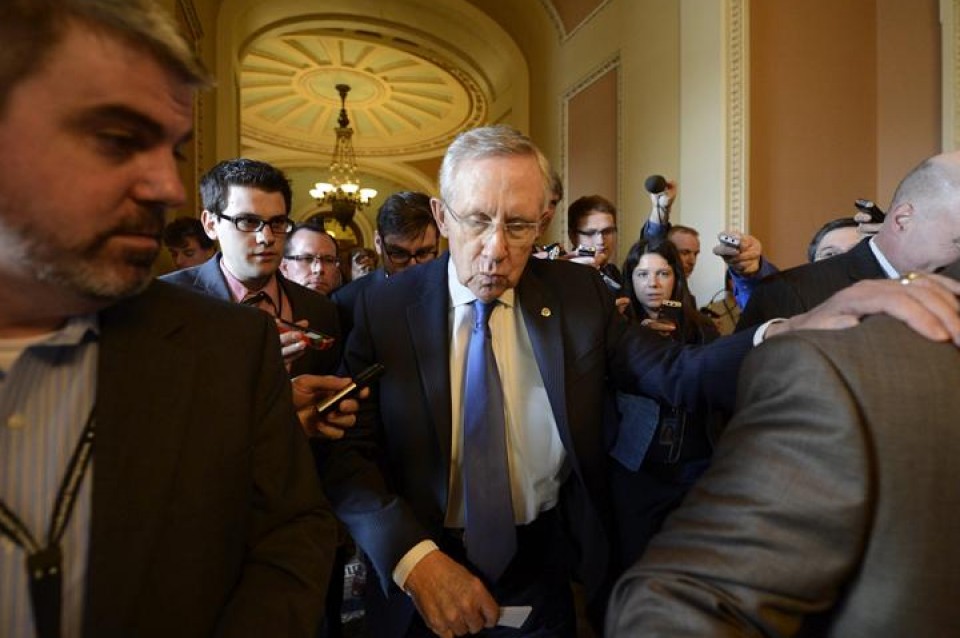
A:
(908, 278)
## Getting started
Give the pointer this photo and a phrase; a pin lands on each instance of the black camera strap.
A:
(45, 564)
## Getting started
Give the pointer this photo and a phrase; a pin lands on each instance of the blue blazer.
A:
(388, 477)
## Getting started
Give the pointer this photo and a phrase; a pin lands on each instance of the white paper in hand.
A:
(514, 616)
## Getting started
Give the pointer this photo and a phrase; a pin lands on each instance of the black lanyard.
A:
(45, 564)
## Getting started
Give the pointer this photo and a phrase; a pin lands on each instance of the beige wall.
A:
(593, 135)
(840, 109)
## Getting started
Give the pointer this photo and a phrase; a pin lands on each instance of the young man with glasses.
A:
(406, 235)
(592, 229)
(246, 206)
(312, 259)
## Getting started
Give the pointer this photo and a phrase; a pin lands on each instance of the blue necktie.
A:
(490, 536)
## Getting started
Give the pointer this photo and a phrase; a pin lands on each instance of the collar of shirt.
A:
(888, 268)
(241, 292)
(72, 333)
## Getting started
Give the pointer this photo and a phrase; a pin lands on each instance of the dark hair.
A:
(583, 207)
(31, 29)
(406, 214)
(678, 228)
(178, 231)
(312, 227)
(693, 325)
(834, 224)
(215, 184)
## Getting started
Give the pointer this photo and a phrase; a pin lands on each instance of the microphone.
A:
(655, 184)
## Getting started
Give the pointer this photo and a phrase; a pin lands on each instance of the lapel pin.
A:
(545, 312)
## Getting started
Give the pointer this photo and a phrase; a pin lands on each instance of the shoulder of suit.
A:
(814, 273)
(164, 303)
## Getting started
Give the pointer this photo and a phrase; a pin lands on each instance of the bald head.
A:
(935, 182)
(922, 228)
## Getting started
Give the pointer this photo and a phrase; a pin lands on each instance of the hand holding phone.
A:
(670, 311)
(360, 381)
(314, 338)
(728, 240)
(869, 208)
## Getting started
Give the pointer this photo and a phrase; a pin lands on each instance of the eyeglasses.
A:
(402, 257)
(310, 260)
(603, 232)
(279, 225)
(479, 225)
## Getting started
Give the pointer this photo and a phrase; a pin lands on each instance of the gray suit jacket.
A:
(831, 507)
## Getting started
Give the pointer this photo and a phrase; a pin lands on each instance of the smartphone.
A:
(315, 339)
(868, 207)
(553, 251)
(670, 311)
(729, 240)
(360, 381)
(587, 251)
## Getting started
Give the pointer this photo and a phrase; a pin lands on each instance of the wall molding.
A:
(950, 74)
(610, 64)
(562, 32)
(738, 112)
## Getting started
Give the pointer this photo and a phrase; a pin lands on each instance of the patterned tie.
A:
(490, 536)
(262, 301)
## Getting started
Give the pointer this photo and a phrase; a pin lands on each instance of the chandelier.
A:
(343, 193)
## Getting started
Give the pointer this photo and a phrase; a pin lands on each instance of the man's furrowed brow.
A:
(123, 116)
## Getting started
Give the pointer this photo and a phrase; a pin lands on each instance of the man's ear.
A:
(378, 243)
(209, 221)
(439, 215)
(902, 215)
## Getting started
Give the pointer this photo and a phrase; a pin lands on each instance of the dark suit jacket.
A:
(320, 312)
(207, 515)
(346, 298)
(797, 290)
(388, 477)
(831, 507)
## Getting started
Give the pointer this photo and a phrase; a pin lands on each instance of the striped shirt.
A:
(46, 395)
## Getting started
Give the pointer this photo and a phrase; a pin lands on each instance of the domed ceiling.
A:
(404, 101)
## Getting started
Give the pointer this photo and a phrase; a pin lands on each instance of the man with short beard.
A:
(196, 512)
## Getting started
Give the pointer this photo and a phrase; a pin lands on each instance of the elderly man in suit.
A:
(831, 506)
(475, 481)
(921, 233)
(198, 511)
